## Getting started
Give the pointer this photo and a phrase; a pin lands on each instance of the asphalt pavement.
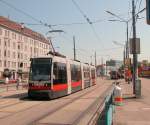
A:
(15, 110)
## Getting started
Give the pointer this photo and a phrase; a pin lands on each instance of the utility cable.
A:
(24, 13)
(89, 21)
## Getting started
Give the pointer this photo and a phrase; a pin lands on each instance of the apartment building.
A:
(18, 44)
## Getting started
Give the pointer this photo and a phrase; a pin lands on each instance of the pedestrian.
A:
(6, 80)
(18, 82)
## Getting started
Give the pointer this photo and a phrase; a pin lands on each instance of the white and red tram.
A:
(58, 76)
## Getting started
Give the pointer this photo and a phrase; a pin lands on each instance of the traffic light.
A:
(148, 11)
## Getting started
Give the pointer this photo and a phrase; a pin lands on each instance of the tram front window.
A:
(40, 69)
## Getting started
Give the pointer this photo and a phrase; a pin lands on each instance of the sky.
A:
(98, 36)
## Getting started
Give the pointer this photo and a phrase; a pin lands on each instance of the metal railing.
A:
(12, 87)
(104, 113)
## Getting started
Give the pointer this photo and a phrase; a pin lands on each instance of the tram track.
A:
(62, 106)
(96, 102)
(53, 110)
(63, 101)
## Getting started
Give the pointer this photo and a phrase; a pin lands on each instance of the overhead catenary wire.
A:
(139, 6)
(24, 13)
(89, 22)
(139, 11)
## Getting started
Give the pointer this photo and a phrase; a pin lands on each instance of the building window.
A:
(8, 53)
(25, 56)
(0, 63)
(14, 64)
(18, 46)
(14, 55)
(1, 31)
(5, 53)
(5, 63)
(18, 55)
(5, 43)
(0, 41)
(21, 46)
(14, 45)
(8, 63)
(8, 43)
(14, 36)
(5, 32)
(20, 37)
(25, 48)
(31, 50)
(8, 32)
(21, 55)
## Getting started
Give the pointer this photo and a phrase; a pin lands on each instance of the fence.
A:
(104, 114)
(12, 87)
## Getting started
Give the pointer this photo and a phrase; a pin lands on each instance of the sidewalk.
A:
(11, 90)
(134, 111)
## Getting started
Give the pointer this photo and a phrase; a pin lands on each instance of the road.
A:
(15, 110)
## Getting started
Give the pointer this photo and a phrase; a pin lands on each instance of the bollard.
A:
(118, 95)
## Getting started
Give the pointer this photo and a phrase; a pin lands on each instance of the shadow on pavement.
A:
(24, 97)
(19, 95)
(128, 96)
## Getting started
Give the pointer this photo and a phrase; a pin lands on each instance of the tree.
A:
(7, 73)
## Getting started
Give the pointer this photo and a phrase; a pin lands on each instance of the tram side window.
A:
(75, 73)
(86, 71)
(60, 73)
(93, 73)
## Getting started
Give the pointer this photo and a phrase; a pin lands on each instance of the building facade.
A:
(17, 45)
(113, 65)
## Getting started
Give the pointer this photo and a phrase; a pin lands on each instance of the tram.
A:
(58, 76)
(145, 72)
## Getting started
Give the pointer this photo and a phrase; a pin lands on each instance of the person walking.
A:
(18, 82)
(6, 80)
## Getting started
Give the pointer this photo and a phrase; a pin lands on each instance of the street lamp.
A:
(127, 34)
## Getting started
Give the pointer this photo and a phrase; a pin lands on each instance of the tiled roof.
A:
(21, 29)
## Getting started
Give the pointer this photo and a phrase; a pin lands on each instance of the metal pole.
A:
(74, 48)
(127, 44)
(134, 48)
(95, 59)
(124, 57)
(91, 59)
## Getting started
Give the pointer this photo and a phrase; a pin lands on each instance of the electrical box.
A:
(135, 46)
